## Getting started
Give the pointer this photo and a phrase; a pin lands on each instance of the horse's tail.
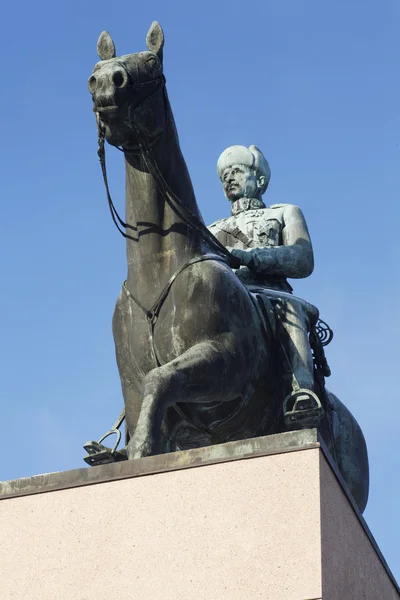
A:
(349, 450)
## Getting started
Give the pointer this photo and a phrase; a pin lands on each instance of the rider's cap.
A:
(250, 157)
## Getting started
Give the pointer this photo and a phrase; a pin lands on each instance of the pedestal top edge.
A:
(280, 443)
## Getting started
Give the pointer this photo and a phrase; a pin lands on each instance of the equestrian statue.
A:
(211, 344)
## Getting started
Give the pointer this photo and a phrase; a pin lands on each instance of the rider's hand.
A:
(234, 262)
(241, 256)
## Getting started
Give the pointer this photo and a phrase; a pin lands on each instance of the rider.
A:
(271, 244)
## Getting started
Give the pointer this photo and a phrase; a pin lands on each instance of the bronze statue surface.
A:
(204, 351)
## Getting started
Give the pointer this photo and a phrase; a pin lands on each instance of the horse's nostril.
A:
(92, 84)
(118, 79)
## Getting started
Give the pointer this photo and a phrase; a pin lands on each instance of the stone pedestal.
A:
(262, 518)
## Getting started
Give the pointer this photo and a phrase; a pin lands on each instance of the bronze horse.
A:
(196, 356)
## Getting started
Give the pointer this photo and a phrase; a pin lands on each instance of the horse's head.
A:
(127, 91)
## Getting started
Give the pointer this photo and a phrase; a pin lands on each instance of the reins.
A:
(101, 152)
(165, 190)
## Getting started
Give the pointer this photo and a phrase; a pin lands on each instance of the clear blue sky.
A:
(315, 84)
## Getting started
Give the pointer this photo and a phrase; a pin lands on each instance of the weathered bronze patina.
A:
(198, 354)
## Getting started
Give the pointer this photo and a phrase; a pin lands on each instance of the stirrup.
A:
(302, 409)
(98, 454)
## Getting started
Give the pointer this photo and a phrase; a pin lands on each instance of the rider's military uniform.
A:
(256, 228)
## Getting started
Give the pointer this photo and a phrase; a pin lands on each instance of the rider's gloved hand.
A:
(242, 257)
(234, 262)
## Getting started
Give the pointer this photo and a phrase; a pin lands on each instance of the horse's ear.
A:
(155, 39)
(105, 46)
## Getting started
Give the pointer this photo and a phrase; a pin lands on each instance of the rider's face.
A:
(239, 181)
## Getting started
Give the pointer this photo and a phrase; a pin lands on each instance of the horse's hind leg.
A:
(208, 367)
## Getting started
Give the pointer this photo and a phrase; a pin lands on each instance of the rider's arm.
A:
(293, 259)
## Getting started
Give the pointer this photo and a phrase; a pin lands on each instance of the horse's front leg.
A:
(207, 371)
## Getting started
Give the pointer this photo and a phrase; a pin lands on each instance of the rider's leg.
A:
(294, 338)
(302, 408)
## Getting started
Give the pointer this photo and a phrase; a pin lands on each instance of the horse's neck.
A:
(164, 242)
